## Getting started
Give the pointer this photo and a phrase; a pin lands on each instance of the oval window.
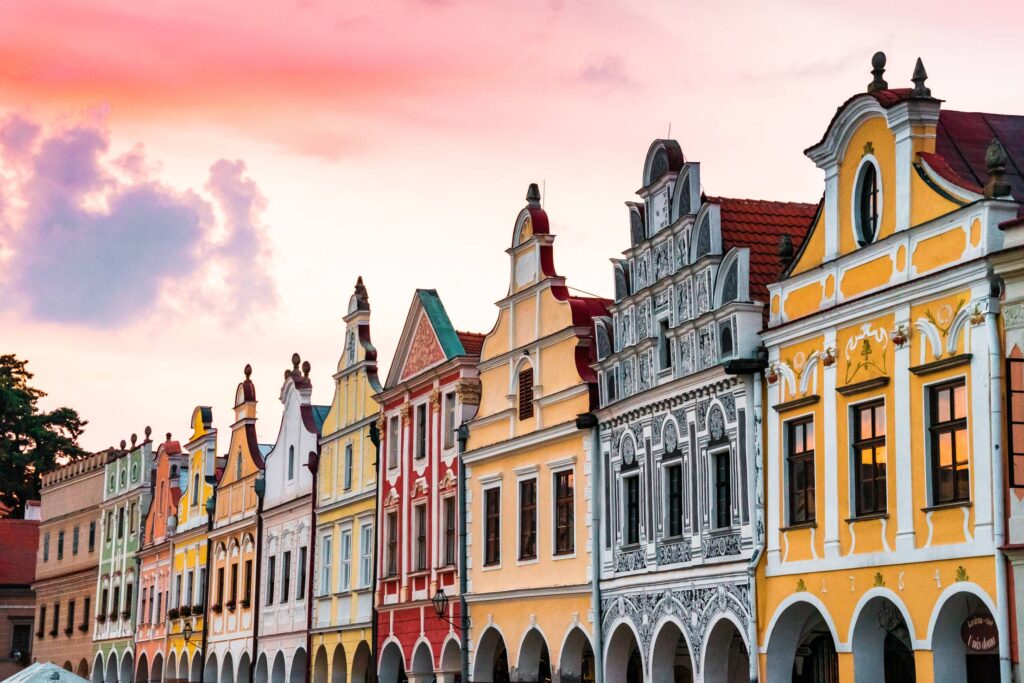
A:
(868, 204)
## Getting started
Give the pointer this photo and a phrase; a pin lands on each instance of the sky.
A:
(188, 187)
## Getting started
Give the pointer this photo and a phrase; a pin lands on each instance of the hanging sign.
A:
(979, 633)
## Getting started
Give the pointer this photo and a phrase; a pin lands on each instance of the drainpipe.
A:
(590, 421)
(260, 485)
(314, 467)
(754, 367)
(463, 436)
(375, 440)
(995, 382)
(211, 507)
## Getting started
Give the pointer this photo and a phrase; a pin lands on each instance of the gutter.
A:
(995, 370)
(314, 466)
(463, 435)
(590, 421)
(375, 440)
(754, 367)
(211, 507)
(260, 485)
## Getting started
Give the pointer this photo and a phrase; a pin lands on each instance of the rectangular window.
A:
(392, 549)
(21, 640)
(492, 526)
(800, 462)
(60, 545)
(56, 618)
(346, 560)
(201, 598)
(631, 509)
(286, 575)
(133, 519)
(160, 604)
(421, 537)
(195, 489)
(869, 458)
(120, 523)
(74, 541)
(291, 463)
(128, 598)
(449, 419)
(723, 490)
(152, 591)
(1015, 419)
(87, 613)
(271, 575)
(300, 589)
(92, 536)
(142, 614)
(526, 394)
(326, 555)
(177, 591)
(366, 555)
(248, 581)
(393, 442)
(115, 605)
(609, 385)
(450, 525)
(565, 525)
(46, 547)
(421, 430)
(664, 346)
(71, 616)
(42, 620)
(234, 584)
(528, 519)
(674, 500)
(110, 525)
(220, 586)
(348, 466)
(190, 582)
(104, 600)
(947, 426)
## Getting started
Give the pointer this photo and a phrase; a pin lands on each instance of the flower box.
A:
(173, 613)
(102, 618)
(230, 605)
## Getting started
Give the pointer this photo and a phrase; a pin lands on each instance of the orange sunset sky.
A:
(189, 187)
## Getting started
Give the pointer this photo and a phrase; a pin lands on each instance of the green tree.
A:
(31, 441)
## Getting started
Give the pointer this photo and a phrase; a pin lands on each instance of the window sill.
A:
(526, 561)
(948, 506)
(801, 525)
(491, 567)
(418, 573)
(630, 546)
(721, 530)
(563, 556)
(867, 518)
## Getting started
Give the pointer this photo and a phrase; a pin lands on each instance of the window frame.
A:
(717, 455)
(525, 392)
(1014, 446)
(675, 464)
(935, 431)
(491, 546)
(450, 401)
(394, 441)
(421, 553)
(526, 509)
(347, 466)
(421, 428)
(563, 502)
(391, 567)
(856, 208)
(326, 561)
(344, 560)
(271, 579)
(859, 443)
(286, 575)
(450, 518)
(365, 554)
(805, 456)
(632, 501)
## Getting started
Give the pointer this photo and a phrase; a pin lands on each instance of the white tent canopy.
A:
(44, 673)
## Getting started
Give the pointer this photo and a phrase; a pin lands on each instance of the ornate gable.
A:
(424, 351)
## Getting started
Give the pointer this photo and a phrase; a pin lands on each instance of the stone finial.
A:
(919, 77)
(247, 371)
(148, 431)
(295, 362)
(362, 298)
(877, 69)
(168, 435)
(123, 444)
(135, 437)
(533, 195)
(995, 160)
(305, 368)
(785, 249)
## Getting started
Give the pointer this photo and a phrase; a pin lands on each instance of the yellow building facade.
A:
(345, 499)
(189, 545)
(883, 473)
(528, 474)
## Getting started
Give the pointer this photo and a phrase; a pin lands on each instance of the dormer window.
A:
(868, 205)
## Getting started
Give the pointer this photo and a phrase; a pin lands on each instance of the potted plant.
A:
(113, 615)
(39, 633)
(230, 605)
(186, 610)
(101, 617)
(245, 603)
(68, 631)
(126, 615)
(53, 632)
(217, 607)
(173, 613)
(772, 375)
(83, 627)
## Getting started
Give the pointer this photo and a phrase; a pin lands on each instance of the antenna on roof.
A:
(544, 191)
(668, 136)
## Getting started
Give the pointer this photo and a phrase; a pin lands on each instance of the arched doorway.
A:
(451, 661)
(534, 659)
(211, 671)
(361, 663)
(195, 671)
(172, 669)
(157, 674)
(670, 657)
(725, 654)
(339, 665)
(319, 666)
(965, 614)
(183, 667)
(83, 668)
(623, 661)
(98, 668)
(801, 647)
(392, 664)
(125, 672)
(577, 662)
(111, 674)
(67, 666)
(422, 665)
(244, 668)
(277, 671)
(142, 669)
(491, 664)
(262, 673)
(298, 672)
(227, 669)
(882, 644)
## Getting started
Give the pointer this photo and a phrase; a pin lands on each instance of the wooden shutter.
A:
(526, 394)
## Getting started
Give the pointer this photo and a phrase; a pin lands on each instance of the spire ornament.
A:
(919, 77)
(995, 160)
(533, 195)
(877, 69)
(786, 250)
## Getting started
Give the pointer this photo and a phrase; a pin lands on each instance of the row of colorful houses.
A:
(789, 448)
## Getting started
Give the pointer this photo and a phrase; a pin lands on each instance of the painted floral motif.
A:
(865, 352)
(424, 350)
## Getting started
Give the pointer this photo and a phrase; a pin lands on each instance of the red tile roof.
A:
(962, 139)
(472, 342)
(19, 539)
(759, 225)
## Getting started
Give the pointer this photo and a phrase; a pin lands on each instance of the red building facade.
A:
(431, 389)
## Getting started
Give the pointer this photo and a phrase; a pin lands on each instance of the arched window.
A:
(868, 205)
(704, 237)
(525, 393)
(725, 339)
(729, 287)
(195, 489)
(291, 463)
